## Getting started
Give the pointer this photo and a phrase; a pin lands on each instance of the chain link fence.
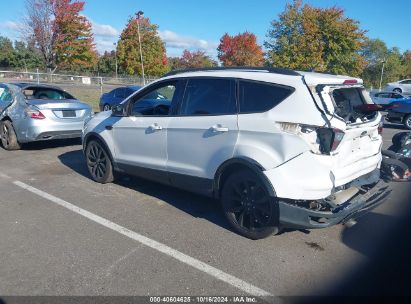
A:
(85, 88)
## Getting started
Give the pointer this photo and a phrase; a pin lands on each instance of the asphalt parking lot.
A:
(63, 234)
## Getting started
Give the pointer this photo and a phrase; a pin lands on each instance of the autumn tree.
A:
(407, 64)
(153, 48)
(240, 50)
(310, 38)
(39, 30)
(189, 60)
(375, 52)
(74, 44)
(62, 35)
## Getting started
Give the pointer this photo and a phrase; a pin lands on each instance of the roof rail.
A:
(249, 69)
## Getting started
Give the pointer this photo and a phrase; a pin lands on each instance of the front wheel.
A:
(99, 163)
(8, 136)
(248, 207)
(407, 121)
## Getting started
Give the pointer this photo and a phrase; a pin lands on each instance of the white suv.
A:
(279, 148)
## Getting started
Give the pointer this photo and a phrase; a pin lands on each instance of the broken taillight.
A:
(321, 140)
(330, 139)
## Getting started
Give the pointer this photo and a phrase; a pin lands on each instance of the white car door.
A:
(140, 138)
(204, 132)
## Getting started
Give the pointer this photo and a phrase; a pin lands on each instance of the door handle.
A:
(219, 128)
(156, 127)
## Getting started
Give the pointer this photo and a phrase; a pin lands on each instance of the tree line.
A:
(57, 37)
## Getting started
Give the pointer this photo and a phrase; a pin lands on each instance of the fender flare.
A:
(247, 162)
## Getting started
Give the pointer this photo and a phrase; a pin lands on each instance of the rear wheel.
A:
(407, 121)
(397, 90)
(106, 107)
(99, 163)
(8, 136)
(248, 207)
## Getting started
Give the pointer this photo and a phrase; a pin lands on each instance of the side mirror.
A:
(118, 110)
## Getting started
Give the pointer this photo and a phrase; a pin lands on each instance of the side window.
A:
(6, 98)
(154, 102)
(209, 97)
(260, 97)
(5, 95)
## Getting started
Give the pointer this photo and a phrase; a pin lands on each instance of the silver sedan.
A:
(31, 112)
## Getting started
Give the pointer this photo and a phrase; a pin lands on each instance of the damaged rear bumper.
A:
(294, 216)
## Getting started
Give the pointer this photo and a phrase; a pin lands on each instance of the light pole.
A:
(139, 15)
(382, 72)
(115, 56)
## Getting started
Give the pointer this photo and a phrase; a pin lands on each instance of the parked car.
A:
(400, 113)
(278, 148)
(32, 112)
(114, 97)
(384, 98)
(401, 86)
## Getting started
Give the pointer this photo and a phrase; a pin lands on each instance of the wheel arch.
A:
(235, 164)
(93, 135)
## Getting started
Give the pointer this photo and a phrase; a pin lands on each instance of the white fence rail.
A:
(77, 80)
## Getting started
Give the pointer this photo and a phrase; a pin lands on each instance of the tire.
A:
(407, 121)
(248, 207)
(106, 107)
(99, 163)
(397, 90)
(8, 136)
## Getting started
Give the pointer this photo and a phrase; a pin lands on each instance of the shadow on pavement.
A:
(371, 229)
(49, 144)
(196, 205)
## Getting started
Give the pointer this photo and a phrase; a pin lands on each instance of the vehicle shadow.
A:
(371, 229)
(196, 205)
(49, 144)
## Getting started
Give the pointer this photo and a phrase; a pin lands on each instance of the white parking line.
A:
(210, 270)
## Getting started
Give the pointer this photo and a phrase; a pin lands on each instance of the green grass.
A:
(90, 95)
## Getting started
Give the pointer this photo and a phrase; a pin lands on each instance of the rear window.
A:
(346, 101)
(258, 97)
(45, 93)
(209, 97)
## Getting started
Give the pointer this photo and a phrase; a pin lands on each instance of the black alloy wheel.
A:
(99, 163)
(248, 206)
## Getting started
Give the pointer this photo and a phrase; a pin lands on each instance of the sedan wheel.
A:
(397, 90)
(99, 163)
(407, 122)
(8, 136)
(248, 206)
(106, 107)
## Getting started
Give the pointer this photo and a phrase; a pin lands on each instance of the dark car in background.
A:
(114, 97)
(400, 112)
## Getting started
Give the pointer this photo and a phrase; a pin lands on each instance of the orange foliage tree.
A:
(240, 50)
